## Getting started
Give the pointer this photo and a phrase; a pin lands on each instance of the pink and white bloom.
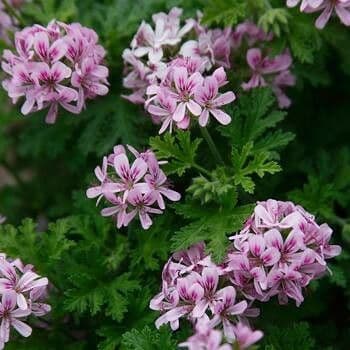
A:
(224, 308)
(107, 188)
(2, 219)
(23, 293)
(304, 3)
(280, 250)
(205, 338)
(340, 7)
(211, 102)
(156, 180)
(10, 281)
(131, 189)
(185, 86)
(10, 315)
(268, 71)
(55, 66)
(245, 336)
(130, 176)
(142, 203)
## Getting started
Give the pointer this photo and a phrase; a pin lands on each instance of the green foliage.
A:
(180, 150)
(210, 225)
(254, 140)
(273, 19)
(294, 337)
(327, 186)
(247, 163)
(226, 12)
(148, 339)
(304, 39)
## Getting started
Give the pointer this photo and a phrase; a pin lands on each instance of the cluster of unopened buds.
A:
(136, 189)
(23, 293)
(280, 250)
(58, 65)
(328, 7)
(178, 80)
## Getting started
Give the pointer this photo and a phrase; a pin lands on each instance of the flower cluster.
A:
(279, 252)
(178, 80)
(184, 93)
(2, 219)
(57, 65)
(23, 293)
(193, 287)
(328, 7)
(207, 338)
(272, 72)
(132, 189)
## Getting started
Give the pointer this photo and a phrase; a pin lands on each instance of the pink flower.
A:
(249, 31)
(164, 111)
(119, 208)
(340, 7)
(304, 3)
(2, 219)
(213, 47)
(107, 187)
(280, 250)
(205, 338)
(190, 292)
(91, 80)
(45, 52)
(131, 189)
(224, 307)
(245, 336)
(55, 66)
(184, 94)
(185, 86)
(37, 306)
(167, 32)
(156, 181)
(279, 83)
(142, 203)
(9, 315)
(211, 101)
(193, 258)
(130, 176)
(20, 285)
(264, 70)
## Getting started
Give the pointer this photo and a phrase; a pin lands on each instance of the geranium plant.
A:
(190, 187)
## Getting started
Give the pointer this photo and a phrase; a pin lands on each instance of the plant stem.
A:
(201, 169)
(212, 146)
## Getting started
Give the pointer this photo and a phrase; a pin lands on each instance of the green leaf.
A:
(180, 150)
(213, 227)
(295, 337)
(226, 12)
(246, 163)
(148, 339)
(274, 20)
